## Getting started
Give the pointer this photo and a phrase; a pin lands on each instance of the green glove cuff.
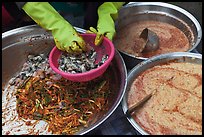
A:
(108, 13)
(65, 36)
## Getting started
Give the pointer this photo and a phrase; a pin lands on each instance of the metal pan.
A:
(162, 12)
(18, 43)
(145, 65)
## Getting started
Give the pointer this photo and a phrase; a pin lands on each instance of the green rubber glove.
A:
(65, 36)
(107, 14)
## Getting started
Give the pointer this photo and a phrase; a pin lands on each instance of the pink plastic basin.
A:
(106, 47)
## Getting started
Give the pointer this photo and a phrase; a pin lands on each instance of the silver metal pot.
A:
(145, 65)
(158, 11)
(18, 43)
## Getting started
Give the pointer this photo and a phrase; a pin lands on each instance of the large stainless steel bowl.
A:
(145, 65)
(158, 11)
(18, 43)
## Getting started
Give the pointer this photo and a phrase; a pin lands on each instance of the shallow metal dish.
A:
(145, 65)
(18, 43)
(158, 11)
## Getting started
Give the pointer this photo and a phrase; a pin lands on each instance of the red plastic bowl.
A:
(106, 47)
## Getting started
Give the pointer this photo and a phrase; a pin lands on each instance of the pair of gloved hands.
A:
(65, 36)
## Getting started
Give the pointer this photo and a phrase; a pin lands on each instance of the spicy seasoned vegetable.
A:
(65, 105)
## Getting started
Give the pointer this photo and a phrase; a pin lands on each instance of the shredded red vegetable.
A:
(65, 105)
